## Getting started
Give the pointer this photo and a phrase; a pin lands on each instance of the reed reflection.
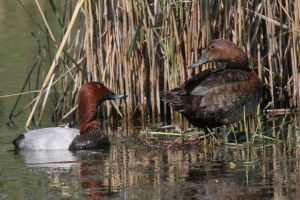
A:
(265, 170)
(136, 173)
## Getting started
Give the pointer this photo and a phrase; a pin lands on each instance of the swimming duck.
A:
(217, 97)
(89, 135)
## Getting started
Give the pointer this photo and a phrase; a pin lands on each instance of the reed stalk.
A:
(140, 48)
(52, 68)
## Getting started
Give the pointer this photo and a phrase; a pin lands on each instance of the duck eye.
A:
(99, 86)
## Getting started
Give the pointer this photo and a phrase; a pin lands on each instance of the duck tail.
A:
(17, 141)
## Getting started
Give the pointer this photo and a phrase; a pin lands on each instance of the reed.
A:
(142, 47)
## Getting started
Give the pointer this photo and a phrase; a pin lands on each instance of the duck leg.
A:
(224, 134)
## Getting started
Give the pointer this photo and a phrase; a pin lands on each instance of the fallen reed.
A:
(142, 47)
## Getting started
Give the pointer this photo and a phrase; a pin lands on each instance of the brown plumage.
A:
(91, 136)
(90, 96)
(216, 97)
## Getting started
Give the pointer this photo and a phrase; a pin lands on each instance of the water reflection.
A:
(44, 158)
(218, 173)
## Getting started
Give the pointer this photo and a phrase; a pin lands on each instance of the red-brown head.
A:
(90, 96)
(222, 50)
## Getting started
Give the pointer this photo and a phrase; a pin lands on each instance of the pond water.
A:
(264, 170)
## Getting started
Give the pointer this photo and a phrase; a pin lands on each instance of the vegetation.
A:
(141, 47)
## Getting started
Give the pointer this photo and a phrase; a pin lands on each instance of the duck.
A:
(220, 96)
(88, 136)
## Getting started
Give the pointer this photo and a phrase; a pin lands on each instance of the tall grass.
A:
(142, 47)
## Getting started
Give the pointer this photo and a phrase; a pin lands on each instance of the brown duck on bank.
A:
(217, 97)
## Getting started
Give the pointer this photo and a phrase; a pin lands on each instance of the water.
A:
(265, 170)
(144, 173)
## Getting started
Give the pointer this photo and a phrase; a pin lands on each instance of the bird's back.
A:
(46, 138)
(213, 98)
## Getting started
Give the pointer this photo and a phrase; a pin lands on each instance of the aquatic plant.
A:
(142, 47)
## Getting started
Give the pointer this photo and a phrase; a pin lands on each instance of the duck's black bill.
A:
(112, 95)
(203, 59)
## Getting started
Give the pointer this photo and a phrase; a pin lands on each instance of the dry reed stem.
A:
(171, 36)
(45, 99)
(18, 94)
(52, 68)
(45, 21)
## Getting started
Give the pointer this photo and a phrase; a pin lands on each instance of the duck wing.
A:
(180, 98)
(209, 80)
(197, 92)
(215, 98)
(198, 78)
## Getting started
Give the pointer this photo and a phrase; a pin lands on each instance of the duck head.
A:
(90, 96)
(221, 50)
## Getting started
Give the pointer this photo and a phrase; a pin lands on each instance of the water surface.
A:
(262, 172)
